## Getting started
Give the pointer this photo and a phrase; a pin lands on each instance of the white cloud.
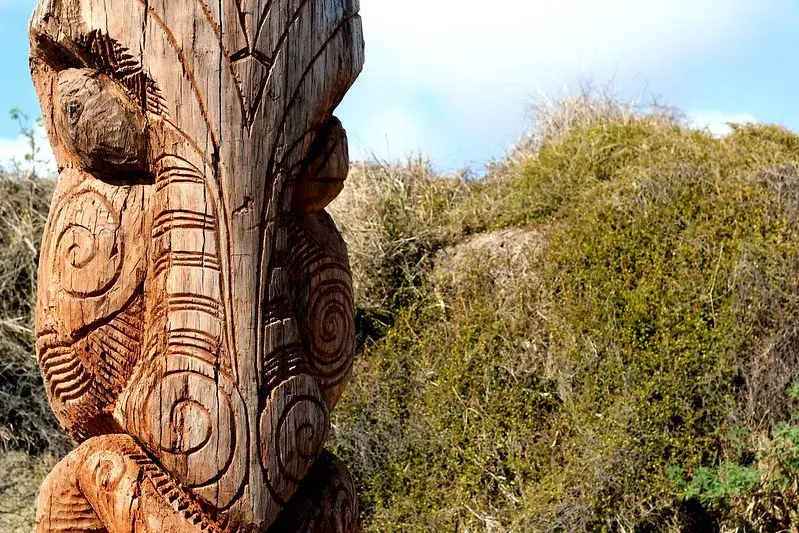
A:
(470, 43)
(717, 122)
(14, 150)
(477, 62)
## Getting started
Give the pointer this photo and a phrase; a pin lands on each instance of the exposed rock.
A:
(508, 253)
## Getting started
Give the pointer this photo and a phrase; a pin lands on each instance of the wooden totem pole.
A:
(195, 318)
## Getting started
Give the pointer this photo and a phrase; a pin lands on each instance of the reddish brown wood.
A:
(195, 320)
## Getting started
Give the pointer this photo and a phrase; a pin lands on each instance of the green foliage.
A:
(714, 487)
(651, 340)
(761, 496)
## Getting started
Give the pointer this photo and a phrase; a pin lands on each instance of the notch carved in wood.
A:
(195, 319)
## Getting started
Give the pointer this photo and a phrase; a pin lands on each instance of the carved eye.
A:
(73, 110)
(99, 124)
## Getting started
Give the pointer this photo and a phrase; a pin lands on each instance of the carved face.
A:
(193, 293)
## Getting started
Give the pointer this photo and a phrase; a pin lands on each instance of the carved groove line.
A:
(258, 97)
(296, 93)
(90, 246)
(71, 513)
(264, 16)
(195, 417)
(178, 500)
(294, 427)
(288, 360)
(117, 62)
(117, 348)
(67, 381)
(188, 71)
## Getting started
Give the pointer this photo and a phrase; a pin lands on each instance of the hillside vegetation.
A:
(630, 365)
(599, 335)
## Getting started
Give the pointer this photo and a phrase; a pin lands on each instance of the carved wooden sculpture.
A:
(195, 316)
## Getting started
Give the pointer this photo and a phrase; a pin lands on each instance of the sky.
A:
(454, 79)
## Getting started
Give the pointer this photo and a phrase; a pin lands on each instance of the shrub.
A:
(658, 323)
(393, 217)
(448, 420)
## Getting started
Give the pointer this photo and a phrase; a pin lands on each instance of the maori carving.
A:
(195, 322)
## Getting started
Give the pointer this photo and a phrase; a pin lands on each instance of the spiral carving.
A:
(294, 429)
(92, 253)
(331, 323)
(300, 436)
(195, 420)
(109, 469)
(89, 250)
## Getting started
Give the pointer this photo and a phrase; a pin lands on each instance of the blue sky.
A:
(454, 78)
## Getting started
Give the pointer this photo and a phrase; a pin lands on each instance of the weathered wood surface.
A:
(195, 323)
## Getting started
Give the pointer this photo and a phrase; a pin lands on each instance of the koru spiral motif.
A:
(195, 319)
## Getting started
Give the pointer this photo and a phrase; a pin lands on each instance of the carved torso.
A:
(195, 320)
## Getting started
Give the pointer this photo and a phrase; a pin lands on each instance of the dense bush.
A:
(654, 335)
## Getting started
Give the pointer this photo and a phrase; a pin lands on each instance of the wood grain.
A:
(195, 320)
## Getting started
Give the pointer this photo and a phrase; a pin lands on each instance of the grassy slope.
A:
(26, 424)
(652, 340)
